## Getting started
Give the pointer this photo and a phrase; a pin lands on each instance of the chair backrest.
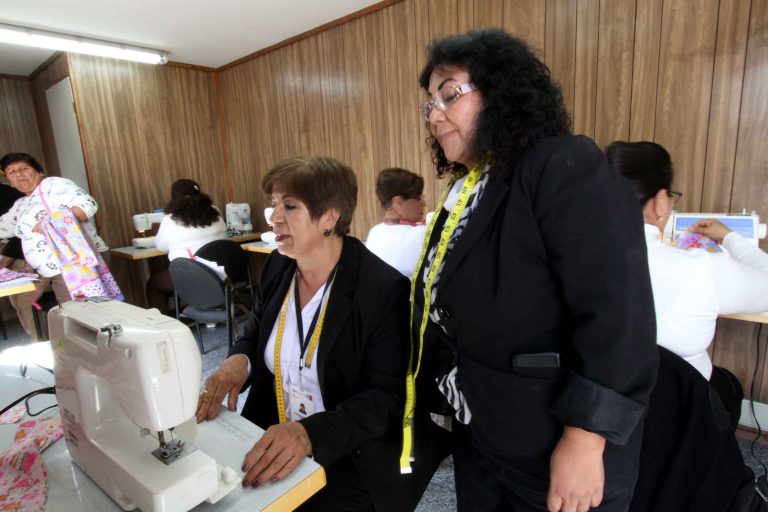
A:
(229, 255)
(197, 284)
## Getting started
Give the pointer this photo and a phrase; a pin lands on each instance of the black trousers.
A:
(487, 484)
(345, 490)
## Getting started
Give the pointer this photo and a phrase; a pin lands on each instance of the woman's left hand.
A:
(276, 454)
(577, 476)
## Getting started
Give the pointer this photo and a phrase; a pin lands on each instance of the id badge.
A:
(302, 403)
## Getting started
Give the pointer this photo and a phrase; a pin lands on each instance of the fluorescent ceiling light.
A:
(66, 43)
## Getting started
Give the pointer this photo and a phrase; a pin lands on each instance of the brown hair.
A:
(397, 182)
(320, 182)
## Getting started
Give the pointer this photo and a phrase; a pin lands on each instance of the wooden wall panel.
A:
(18, 122)
(645, 69)
(685, 86)
(143, 127)
(614, 73)
(526, 19)
(732, 29)
(586, 72)
(560, 46)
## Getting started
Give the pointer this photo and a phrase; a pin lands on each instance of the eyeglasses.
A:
(443, 100)
(674, 195)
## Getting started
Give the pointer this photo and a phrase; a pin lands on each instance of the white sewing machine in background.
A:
(125, 377)
(142, 222)
(746, 224)
(238, 218)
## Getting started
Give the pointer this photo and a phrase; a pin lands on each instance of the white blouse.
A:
(398, 245)
(179, 240)
(28, 211)
(290, 353)
(691, 288)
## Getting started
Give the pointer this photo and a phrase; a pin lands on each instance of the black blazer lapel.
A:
(339, 306)
(495, 191)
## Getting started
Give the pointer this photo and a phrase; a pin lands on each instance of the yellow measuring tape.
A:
(406, 456)
(307, 361)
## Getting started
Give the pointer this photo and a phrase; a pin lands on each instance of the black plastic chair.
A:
(40, 308)
(209, 298)
(233, 258)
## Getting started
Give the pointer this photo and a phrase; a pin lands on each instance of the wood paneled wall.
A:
(18, 124)
(143, 127)
(629, 69)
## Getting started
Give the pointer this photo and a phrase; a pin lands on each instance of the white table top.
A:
(140, 253)
(16, 286)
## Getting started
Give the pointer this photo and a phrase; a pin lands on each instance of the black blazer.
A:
(361, 362)
(552, 260)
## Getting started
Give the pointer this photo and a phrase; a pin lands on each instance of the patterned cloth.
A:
(23, 477)
(83, 270)
(52, 193)
(447, 383)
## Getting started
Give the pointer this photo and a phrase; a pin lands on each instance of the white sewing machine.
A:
(239, 218)
(143, 222)
(125, 377)
(746, 224)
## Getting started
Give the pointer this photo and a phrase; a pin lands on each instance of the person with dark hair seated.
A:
(525, 327)
(690, 460)
(399, 237)
(191, 221)
(12, 254)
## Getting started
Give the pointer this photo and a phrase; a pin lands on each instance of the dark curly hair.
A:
(191, 207)
(12, 158)
(521, 103)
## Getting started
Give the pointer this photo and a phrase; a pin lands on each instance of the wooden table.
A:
(142, 254)
(749, 317)
(260, 247)
(16, 286)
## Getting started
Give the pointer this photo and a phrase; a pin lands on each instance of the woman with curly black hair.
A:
(191, 221)
(532, 311)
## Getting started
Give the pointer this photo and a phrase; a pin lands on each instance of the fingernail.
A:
(244, 468)
(274, 479)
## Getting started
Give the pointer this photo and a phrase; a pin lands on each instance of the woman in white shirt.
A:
(690, 459)
(398, 238)
(191, 221)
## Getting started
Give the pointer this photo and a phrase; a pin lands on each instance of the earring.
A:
(327, 232)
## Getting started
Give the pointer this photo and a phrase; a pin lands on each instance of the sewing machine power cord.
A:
(42, 391)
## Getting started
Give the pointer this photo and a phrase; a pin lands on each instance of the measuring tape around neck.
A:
(307, 359)
(406, 456)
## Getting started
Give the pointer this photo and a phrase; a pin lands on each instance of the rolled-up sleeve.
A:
(592, 227)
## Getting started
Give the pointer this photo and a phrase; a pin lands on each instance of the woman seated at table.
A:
(42, 195)
(191, 221)
(690, 459)
(399, 237)
(329, 331)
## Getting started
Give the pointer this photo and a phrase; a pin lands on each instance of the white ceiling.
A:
(202, 32)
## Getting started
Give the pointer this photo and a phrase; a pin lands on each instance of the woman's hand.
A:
(229, 379)
(276, 454)
(576, 472)
(711, 228)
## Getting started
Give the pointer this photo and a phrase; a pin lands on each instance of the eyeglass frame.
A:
(676, 196)
(438, 101)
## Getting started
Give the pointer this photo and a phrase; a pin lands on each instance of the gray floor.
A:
(440, 495)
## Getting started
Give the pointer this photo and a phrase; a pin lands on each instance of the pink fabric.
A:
(83, 269)
(23, 477)
(13, 414)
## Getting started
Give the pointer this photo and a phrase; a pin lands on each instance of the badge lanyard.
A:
(406, 456)
(308, 345)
